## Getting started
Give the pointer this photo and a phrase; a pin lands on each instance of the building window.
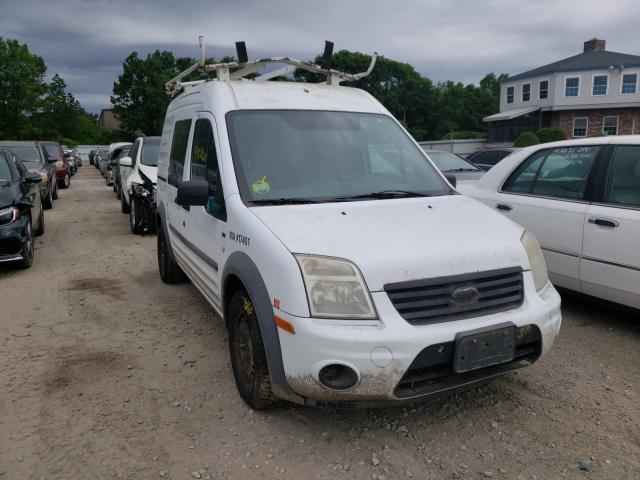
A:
(544, 89)
(600, 84)
(580, 125)
(629, 83)
(610, 125)
(510, 94)
(526, 92)
(572, 86)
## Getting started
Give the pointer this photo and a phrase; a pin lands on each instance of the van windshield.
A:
(307, 156)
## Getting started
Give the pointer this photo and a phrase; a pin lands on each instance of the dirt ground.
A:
(107, 373)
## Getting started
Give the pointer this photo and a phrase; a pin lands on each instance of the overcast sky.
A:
(85, 41)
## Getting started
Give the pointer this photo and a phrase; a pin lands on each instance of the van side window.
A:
(178, 151)
(204, 165)
(52, 151)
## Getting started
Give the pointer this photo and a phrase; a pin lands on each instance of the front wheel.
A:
(248, 358)
(47, 203)
(66, 181)
(124, 206)
(135, 216)
(170, 271)
(27, 248)
(54, 187)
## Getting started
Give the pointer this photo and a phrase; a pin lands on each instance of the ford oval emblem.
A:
(465, 295)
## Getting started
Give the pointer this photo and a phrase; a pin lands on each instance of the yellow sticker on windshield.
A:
(261, 186)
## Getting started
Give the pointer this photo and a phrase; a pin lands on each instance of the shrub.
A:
(526, 139)
(551, 134)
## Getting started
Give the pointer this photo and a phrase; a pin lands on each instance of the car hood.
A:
(401, 239)
(150, 172)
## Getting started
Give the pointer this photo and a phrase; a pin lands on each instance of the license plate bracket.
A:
(484, 347)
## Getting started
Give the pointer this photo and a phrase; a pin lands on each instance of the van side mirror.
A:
(451, 179)
(193, 192)
(126, 162)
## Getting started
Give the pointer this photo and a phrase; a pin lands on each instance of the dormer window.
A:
(510, 94)
(600, 85)
(572, 86)
(526, 92)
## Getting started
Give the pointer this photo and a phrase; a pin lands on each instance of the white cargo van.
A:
(345, 265)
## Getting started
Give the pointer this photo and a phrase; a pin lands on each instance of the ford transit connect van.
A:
(345, 265)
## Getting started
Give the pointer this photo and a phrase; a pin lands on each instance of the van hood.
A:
(150, 172)
(401, 239)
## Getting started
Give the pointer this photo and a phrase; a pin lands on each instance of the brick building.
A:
(596, 92)
(108, 119)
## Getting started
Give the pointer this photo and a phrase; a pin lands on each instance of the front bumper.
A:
(12, 238)
(384, 352)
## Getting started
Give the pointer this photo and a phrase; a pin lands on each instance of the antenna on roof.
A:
(240, 69)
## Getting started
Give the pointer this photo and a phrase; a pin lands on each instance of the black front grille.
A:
(432, 370)
(422, 302)
(10, 246)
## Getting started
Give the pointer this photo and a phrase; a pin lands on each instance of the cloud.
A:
(86, 41)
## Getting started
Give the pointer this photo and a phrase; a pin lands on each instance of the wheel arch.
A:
(241, 272)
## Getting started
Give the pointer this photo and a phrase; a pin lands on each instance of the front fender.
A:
(240, 265)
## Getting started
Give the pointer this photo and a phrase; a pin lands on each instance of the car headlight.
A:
(335, 288)
(9, 215)
(140, 190)
(536, 260)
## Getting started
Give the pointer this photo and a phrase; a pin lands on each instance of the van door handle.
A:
(504, 206)
(604, 222)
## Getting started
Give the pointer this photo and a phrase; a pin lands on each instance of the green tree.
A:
(139, 99)
(21, 86)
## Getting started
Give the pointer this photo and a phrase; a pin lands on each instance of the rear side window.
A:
(53, 151)
(178, 151)
(204, 164)
(5, 170)
(559, 172)
(623, 185)
(133, 153)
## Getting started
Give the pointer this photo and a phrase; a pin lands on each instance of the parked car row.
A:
(131, 170)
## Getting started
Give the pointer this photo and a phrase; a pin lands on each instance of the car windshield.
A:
(150, 152)
(5, 171)
(448, 162)
(298, 156)
(26, 154)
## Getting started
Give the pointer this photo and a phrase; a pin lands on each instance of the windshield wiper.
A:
(463, 170)
(282, 201)
(381, 195)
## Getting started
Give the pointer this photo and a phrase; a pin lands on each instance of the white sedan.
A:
(581, 199)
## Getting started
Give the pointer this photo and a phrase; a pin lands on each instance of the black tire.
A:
(47, 202)
(135, 217)
(248, 357)
(40, 229)
(124, 206)
(27, 249)
(118, 190)
(170, 271)
(54, 186)
(65, 182)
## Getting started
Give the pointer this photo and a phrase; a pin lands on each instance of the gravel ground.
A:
(106, 372)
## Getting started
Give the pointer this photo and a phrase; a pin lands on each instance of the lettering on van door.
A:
(239, 238)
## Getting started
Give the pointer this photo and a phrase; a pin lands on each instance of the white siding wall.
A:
(585, 98)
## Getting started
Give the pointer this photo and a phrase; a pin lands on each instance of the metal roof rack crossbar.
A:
(239, 70)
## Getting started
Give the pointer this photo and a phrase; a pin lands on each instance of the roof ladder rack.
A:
(244, 67)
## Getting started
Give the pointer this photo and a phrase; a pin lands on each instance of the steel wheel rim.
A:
(244, 351)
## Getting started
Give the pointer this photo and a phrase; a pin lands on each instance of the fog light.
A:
(337, 376)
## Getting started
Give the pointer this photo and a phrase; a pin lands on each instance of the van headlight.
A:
(536, 260)
(335, 288)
